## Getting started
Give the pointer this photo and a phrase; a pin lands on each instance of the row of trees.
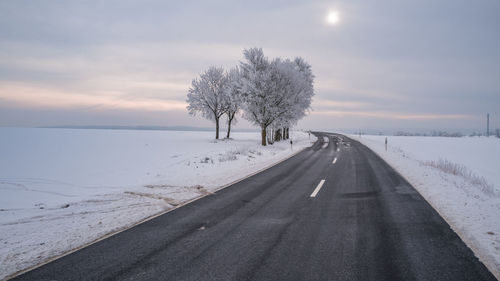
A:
(272, 94)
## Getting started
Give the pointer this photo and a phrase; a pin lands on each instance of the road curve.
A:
(364, 222)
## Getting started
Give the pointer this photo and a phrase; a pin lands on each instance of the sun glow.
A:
(333, 17)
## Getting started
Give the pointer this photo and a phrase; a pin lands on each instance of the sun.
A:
(333, 18)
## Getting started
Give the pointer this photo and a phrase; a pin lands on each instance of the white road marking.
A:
(334, 160)
(327, 141)
(316, 190)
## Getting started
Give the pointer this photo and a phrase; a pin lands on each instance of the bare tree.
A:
(206, 95)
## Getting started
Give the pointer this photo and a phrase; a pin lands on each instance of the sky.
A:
(386, 65)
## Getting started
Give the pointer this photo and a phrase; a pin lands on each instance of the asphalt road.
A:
(365, 223)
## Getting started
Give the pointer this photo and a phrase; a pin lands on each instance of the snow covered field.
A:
(63, 188)
(459, 177)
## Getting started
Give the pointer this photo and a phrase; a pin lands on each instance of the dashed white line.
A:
(327, 141)
(334, 160)
(316, 190)
(338, 149)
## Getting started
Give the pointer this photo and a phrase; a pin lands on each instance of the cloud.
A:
(319, 104)
(391, 60)
(33, 96)
(394, 115)
(142, 76)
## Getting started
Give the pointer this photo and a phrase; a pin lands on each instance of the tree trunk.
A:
(229, 126)
(263, 136)
(277, 135)
(216, 128)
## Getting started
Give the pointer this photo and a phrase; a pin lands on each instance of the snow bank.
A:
(459, 177)
(63, 188)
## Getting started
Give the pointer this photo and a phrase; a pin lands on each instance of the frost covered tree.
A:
(257, 90)
(301, 94)
(274, 93)
(207, 95)
(232, 99)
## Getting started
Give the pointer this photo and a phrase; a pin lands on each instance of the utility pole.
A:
(487, 124)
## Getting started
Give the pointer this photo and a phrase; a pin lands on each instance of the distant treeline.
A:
(495, 133)
(447, 134)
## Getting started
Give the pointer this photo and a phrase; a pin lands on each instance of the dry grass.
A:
(460, 170)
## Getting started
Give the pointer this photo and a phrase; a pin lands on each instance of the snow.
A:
(63, 188)
(459, 177)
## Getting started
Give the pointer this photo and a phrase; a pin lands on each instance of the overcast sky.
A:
(393, 64)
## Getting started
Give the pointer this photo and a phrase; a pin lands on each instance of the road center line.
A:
(334, 160)
(326, 142)
(316, 190)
